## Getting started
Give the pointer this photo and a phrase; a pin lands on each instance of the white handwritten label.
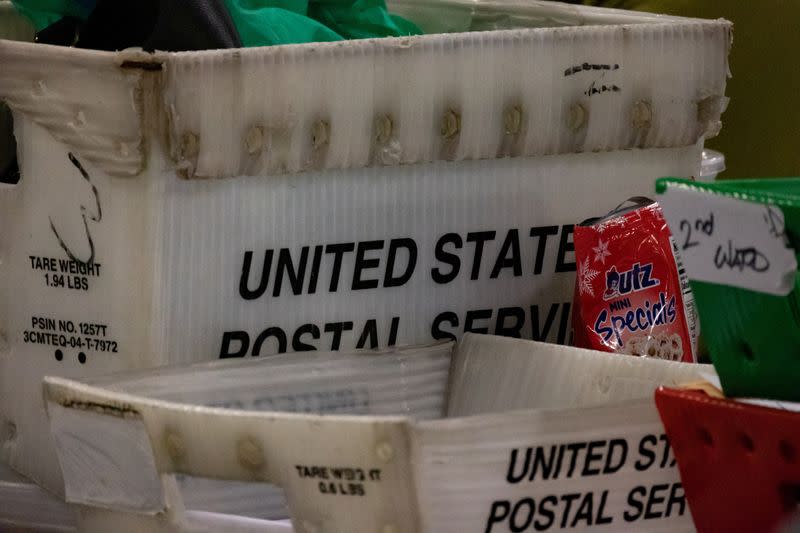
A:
(730, 241)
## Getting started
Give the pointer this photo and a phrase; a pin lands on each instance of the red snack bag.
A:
(632, 294)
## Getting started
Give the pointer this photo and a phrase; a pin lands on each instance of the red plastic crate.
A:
(739, 463)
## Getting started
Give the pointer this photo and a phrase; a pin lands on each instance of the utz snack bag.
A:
(632, 294)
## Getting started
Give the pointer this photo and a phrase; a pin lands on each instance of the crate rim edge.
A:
(148, 92)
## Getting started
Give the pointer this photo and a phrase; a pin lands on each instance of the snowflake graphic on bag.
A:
(585, 277)
(601, 252)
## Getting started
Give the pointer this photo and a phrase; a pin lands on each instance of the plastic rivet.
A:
(39, 87)
(383, 129)
(512, 120)
(124, 149)
(250, 454)
(9, 431)
(254, 140)
(451, 124)
(320, 133)
(642, 115)
(79, 121)
(175, 446)
(384, 451)
(577, 117)
(190, 145)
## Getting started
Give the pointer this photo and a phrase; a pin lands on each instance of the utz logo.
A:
(637, 278)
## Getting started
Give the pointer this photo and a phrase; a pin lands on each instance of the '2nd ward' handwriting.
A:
(747, 257)
(727, 255)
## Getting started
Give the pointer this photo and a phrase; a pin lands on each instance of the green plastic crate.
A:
(753, 337)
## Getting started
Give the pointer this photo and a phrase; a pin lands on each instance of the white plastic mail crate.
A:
(492, 435)
(180, 207)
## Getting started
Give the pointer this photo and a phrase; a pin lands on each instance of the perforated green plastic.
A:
(753, 338)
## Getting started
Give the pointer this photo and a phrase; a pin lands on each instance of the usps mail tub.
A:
(179, 207)
(534, 435)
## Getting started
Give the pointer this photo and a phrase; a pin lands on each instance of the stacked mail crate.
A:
(175, 208)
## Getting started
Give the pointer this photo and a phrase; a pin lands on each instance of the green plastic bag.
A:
(266, 22)
(43, 13)
(753, 337)
(360, 19)
(262, 23)
(271, 22)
